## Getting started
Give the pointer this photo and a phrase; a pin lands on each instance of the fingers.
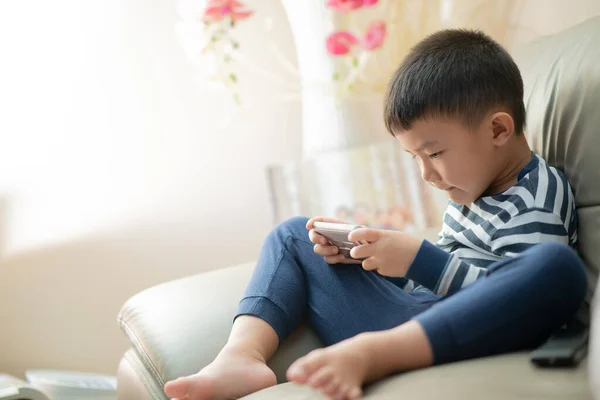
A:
(325, 250)
(316, 238)
(370, 264)
(363, 250)
(329, 252)
(364, 234)
(341, 259)
(309, 224)
(347, 260)
(335, 259)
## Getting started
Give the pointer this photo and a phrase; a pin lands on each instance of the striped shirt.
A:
(540, 207)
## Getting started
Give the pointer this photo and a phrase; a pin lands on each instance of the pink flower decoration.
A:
(346, 5)
(339, 43)
(375, 36)
(217, 10)
(349, 5)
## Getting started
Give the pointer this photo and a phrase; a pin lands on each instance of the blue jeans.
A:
(516, 306)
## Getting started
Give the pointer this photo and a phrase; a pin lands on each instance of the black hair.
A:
(454, 73)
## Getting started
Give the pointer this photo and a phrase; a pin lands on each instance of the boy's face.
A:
(452, 158)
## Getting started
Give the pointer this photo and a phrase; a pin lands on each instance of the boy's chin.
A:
(460, 197)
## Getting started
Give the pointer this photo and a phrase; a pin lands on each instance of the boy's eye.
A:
(435, 155)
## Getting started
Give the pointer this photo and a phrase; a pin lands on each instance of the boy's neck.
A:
(518, 155)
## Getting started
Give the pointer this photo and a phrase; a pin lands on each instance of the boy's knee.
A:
(562, 263)
(294, 223)
(558, 254)
(292, 226)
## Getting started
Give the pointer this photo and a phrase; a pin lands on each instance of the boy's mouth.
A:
(451, 188)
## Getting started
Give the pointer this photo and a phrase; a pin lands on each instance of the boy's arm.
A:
(445, 273)
(442, 272)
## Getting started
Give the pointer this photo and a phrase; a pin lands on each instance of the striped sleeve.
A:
(442, 272)
(528, 228)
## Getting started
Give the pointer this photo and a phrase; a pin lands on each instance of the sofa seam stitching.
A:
(141, 350)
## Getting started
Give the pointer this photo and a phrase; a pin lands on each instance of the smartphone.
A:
(566, 348)
(337, 235)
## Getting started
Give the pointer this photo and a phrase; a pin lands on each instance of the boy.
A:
(502, 277)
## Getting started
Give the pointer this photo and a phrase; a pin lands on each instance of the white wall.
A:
(114, 175)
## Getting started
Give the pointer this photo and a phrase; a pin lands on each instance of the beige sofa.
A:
(178, 327)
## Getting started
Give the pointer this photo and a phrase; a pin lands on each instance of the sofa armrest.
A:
(177, 328)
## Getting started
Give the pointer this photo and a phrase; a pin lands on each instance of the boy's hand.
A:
(322, 246)
(389, 252)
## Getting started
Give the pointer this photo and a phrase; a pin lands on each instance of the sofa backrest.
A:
(561, 74)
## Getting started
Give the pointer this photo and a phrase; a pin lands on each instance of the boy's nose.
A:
(428, 174)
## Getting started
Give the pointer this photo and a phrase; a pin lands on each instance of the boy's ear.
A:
(503, 127)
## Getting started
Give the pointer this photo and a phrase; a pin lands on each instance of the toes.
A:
(187, 388)
(354, 393)
(177, 388)
(301, 370)
(331, 388)
(346, 392)
(321, 378)
(296, 373)
(341, 393)
(202, 389)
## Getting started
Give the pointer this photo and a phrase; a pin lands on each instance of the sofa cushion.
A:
(562, 94)
(503, 377)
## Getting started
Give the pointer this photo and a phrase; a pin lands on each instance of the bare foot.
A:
(339, 371)
(233, 374)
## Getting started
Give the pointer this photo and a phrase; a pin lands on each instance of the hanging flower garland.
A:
(218, 48)
(351, 45)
